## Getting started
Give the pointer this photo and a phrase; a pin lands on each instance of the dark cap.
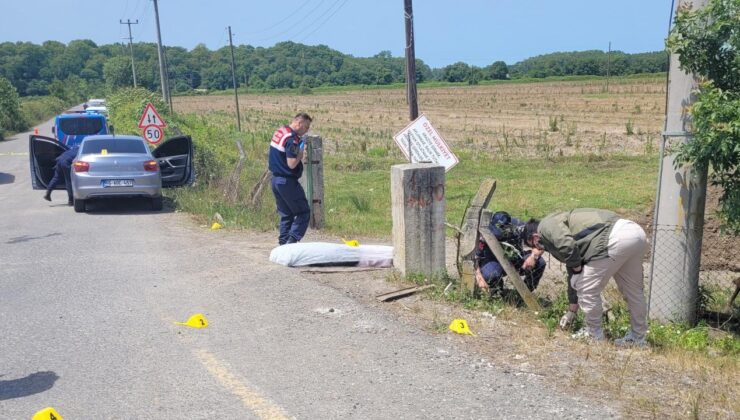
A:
(530, 229)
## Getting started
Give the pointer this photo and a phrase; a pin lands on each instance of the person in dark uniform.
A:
(286, 153)
(62, 170)
(509, 231)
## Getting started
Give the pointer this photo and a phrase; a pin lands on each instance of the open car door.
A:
(175, 157)
(42, 154)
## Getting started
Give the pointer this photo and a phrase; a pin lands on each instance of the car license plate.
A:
(118, 183)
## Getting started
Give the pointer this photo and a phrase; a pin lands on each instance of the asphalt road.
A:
(88, 304)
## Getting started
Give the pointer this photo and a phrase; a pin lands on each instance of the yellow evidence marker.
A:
(351, 242)
(460, 326)
(47, 413)
(216, 225)
(195, 321)
(104, 152)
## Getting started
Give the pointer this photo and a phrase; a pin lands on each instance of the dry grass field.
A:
(506, 119)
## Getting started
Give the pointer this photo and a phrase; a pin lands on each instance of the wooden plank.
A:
(469, 237)
(512, 273)
(386, 297)
(467, 277)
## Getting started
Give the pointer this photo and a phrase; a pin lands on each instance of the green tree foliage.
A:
(589, 63)
(11, 118)
(54, 68)
(125, 106)
(707, 42)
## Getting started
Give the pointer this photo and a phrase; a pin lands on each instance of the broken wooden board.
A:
(512, 272)
(467, 277)
(469, 228)
(387, 297)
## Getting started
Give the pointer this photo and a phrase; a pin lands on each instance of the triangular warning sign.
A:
(151, 117)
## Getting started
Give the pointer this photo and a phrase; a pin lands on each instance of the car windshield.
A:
(73, 126)
(96, 146)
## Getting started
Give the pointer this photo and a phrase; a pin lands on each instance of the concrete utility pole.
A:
(679, 210)
(162, 65)
(233, 80)
(131, 45)
(410, 61)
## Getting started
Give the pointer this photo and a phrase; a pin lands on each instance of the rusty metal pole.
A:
(410, 61)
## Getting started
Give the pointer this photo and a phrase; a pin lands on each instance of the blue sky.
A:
(477, 32)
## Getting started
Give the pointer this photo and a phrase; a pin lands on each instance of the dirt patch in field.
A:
(528, 119)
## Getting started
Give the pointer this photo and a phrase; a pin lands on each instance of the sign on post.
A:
(151, 124)
(426, 144)
(152, 134)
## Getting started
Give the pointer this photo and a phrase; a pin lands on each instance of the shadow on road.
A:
(32, 384)
(126, 206)
(6, 178)
(26, 238)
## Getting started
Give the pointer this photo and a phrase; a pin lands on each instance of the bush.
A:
(11, 118)
(40, 108)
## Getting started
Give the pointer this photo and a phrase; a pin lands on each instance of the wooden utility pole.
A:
(608, 65)
(233, 80)
(130, 44)
(162, 72)
(410, 61)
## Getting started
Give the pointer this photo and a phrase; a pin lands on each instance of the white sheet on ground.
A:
(314, 253)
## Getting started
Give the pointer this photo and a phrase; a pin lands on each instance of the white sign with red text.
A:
(427, 145)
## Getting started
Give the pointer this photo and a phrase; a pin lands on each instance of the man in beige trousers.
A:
(596, 245)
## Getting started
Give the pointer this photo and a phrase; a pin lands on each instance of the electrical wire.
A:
(273, 25)
(324, 21)
(293, 27)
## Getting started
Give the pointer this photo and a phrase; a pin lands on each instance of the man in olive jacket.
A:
(596, 245)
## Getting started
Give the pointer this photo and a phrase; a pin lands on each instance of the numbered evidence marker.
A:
(216, 226)
(351, 242)
(460, 326)
(47, 413)
(195, 321)
(152, 134)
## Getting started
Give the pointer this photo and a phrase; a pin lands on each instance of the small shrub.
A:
(629, 127)
(553, 124)
(362, 204)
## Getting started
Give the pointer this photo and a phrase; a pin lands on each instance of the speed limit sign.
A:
(152, 134)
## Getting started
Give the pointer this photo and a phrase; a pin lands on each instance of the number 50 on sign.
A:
(152, 134)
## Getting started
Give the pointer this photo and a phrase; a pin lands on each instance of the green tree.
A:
(497, 71)
(707, 42)
(117, 73)
(11, 118)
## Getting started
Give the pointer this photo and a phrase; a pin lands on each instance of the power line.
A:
(273, 25)
(292, 27)
(324, 21)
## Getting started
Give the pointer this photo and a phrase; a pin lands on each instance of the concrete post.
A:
(313, 179)
(679, 210)
(418, 210)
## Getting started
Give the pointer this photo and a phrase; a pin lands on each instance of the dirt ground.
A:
(640, 383)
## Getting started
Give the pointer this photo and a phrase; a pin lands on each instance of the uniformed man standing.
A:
(62, 171)
(286, 154)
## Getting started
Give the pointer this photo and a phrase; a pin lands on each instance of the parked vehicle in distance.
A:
(96, 105)
(109, 166)
(70, 128)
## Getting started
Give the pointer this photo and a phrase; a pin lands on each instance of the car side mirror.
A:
(53, 129)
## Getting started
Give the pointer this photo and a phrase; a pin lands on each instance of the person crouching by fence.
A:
(509, 232)
(285, 156)
(596, 245)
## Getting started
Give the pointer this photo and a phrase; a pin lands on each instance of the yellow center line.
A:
(261, 406)
(14, 154)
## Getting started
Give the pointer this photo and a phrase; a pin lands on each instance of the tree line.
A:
(82, 68)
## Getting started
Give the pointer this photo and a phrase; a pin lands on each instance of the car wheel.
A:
(157, 203)
(79, 205)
